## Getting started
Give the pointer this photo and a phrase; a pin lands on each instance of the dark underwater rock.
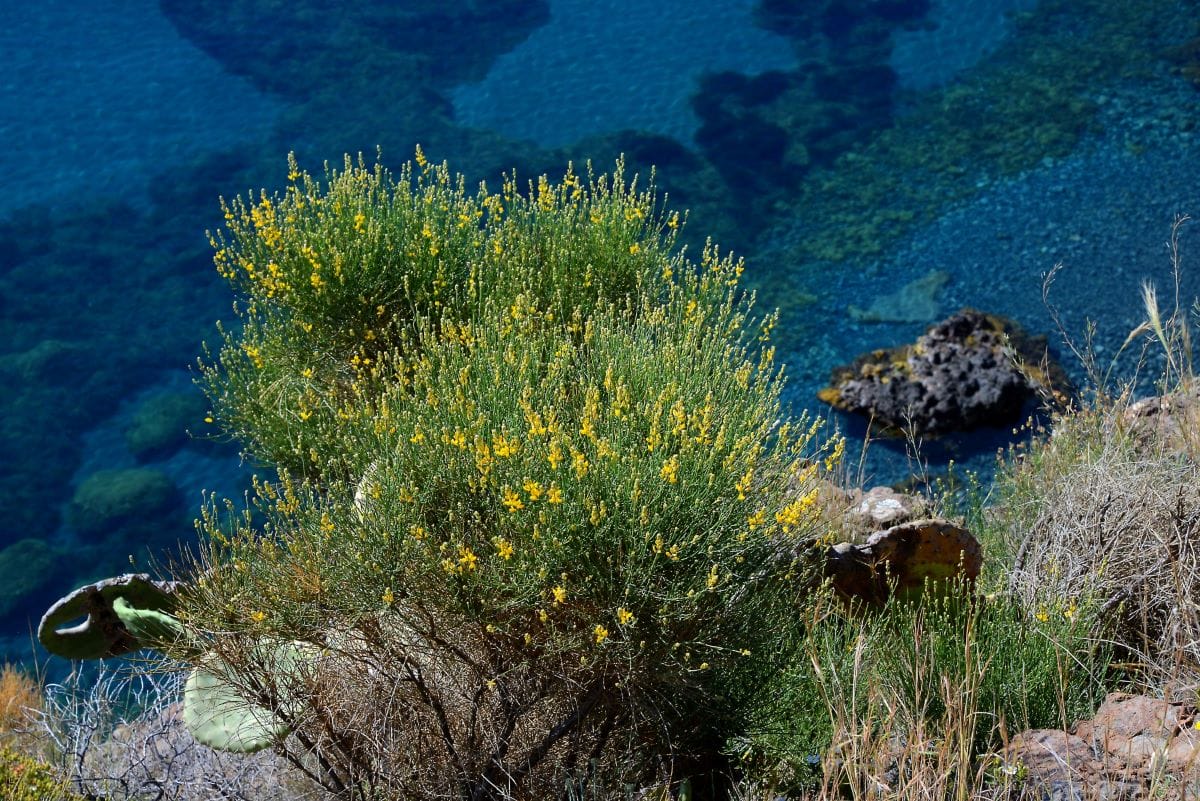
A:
(110, 500)
(160, 425)
(27, 568)
(961, 374)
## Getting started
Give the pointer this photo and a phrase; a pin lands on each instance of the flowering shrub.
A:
(333, 276)
(540, 512)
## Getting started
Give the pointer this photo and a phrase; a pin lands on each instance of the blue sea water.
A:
(597, 67)
(122, 123)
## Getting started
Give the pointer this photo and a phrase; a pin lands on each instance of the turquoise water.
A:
(847, 148)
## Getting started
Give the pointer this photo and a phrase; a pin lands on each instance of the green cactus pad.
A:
(102, 633)
(218, 716)
(150, 627)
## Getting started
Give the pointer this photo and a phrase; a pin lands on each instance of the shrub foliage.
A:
(537, 492)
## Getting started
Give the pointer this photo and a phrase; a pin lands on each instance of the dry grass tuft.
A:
(20, 701)
(1096, 511)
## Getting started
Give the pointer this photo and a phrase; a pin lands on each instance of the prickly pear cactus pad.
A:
(102, 633)
(151, 628)
(220, 716)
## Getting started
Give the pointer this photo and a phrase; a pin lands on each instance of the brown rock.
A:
(1050, 755)
(906, 557)
(1167, 422)
(1137, 733)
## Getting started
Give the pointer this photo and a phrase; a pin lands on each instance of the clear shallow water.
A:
(955, 37)
(97, 97)
(120, 124)
(605, 66)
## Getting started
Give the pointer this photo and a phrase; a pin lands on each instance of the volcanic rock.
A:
(971, 370)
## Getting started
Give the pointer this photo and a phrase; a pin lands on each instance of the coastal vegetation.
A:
(534, 522)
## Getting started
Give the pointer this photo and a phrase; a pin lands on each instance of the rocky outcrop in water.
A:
(971, 370)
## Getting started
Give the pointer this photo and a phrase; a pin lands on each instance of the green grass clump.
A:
(922, 690)
(540, 494)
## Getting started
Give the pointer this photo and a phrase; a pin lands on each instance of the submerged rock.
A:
(28, 568)
(915, 302)
(107, 500)
(160, 425)
(971, 370)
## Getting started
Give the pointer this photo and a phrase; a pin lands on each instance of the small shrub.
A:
(20, 701)
(24, 778)
(1092, 512)
(541, 500)
(334, 275)
(119, 736)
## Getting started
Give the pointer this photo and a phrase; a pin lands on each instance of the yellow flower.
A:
(542, 616)
(600, 633)
(417, 532)
(504, 548)
(466, 559)
(713, 577)
(743, 485)
(554, 455)
(634, 248)
(625, 617)
(257, 616)
(388, 596)
(534, 489)
(579, 463)
(554, 495)
(791, 515)
(511, 500)
(502, 447)
(560, 594)
(670, 470)
(254, 355)
(359, 221)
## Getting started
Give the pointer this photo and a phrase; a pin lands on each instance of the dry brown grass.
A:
(1098, 511)
(20, 701)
